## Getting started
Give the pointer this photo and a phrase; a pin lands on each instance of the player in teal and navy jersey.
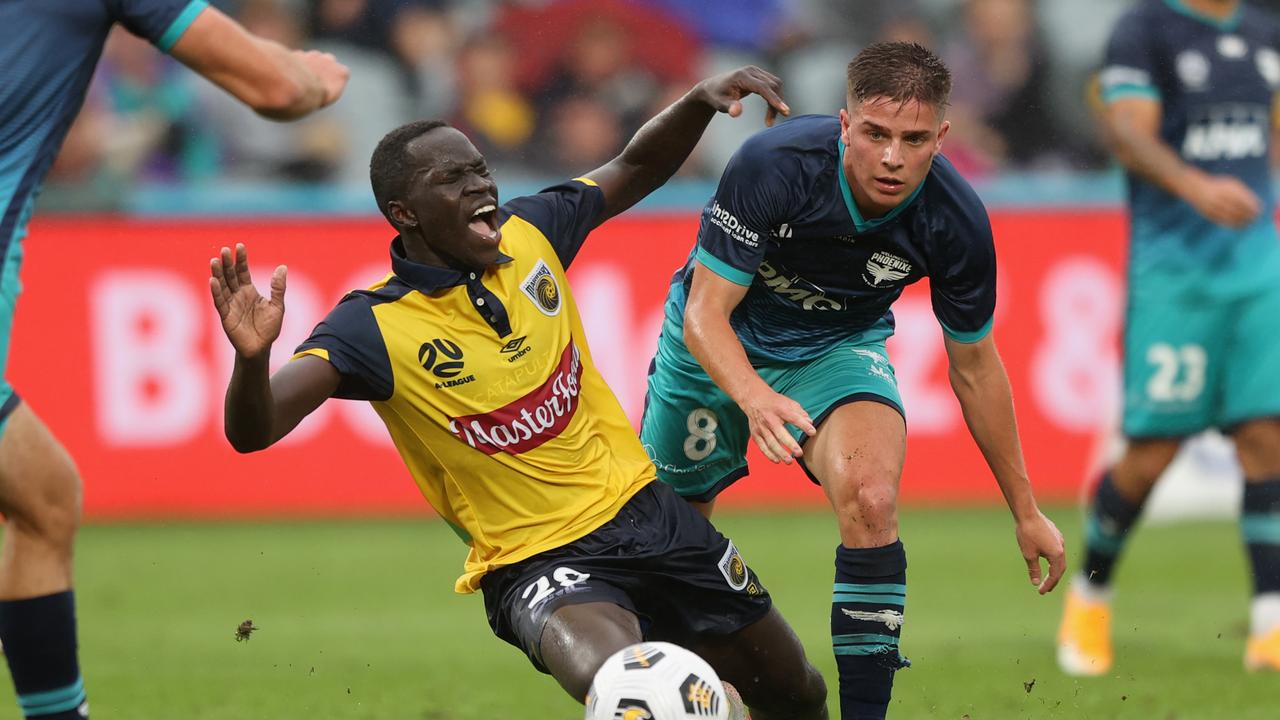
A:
(1188, 87)
(779, 318)
(48, 51)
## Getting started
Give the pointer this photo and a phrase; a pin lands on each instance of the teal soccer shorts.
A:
(1192, 363)
(696, 435)
(10, 286)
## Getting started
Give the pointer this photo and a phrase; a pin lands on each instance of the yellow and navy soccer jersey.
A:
(1216, 82)
(487, 387)
(48, 50)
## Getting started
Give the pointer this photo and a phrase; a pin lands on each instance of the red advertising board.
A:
(117, 346)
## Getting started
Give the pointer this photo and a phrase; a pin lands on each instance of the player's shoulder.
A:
(948, 197)
(356, 307)
(809, 139)
(946, 187)
(1142, 18)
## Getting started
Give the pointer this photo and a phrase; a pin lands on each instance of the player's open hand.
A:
(1225, 200)
(768, 414)
(725, 92)
(251, 321)
(1039, 538)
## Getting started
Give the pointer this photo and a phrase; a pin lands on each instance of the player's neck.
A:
(1216, 9)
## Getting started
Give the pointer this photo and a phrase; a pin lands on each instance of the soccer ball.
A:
(656, 681)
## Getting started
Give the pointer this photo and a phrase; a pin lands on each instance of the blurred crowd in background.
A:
(552, 88)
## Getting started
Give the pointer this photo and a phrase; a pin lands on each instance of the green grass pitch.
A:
(358, 620)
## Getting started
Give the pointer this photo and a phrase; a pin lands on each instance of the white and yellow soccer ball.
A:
(656, 681)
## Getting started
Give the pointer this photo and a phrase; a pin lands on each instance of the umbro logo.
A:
(516, 348)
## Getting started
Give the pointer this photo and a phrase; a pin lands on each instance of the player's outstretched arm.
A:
(658, 149)
(277, 82)
(716, 346)
(981, 385)
(260, 408)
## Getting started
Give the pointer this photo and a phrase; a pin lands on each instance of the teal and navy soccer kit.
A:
(1200, 347)
(48, 51)
(820, 281)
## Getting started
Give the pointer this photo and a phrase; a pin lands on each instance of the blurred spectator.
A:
(309, 150)
(491, 111)
(756, 26)
(598, 64)
(593, 70)
(582, 133)
(1000, 106)
(416, 34)
(155, 127)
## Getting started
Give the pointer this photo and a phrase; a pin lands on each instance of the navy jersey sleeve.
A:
(160, 21)
(1130, 67)
(753, 198)
(349, 338)
(564, 214)
(962, 279)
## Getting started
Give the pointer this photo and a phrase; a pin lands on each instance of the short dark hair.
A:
(389, 169)
(899, 71)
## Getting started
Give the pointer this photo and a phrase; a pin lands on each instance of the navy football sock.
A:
(866, 620)
(39, 636)
(1111, 516)
(1260, 525)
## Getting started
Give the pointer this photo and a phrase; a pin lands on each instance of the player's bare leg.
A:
(1084, 636)
(577, 639)
(857, 455)
(40, 499)
(1258, 446)
(760, 661)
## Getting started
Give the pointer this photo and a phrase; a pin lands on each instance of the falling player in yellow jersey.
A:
(472, 351)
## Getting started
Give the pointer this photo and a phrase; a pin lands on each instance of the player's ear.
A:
(942, 133)
(844, 126)
(402, 215)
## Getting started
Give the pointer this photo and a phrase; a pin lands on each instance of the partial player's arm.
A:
(662, 145)
(277, 82)
(1132, 130)
(982, 386)
(713, 342)
(261, 408)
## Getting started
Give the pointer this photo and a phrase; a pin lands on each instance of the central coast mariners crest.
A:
(733, 568)
(540, 287)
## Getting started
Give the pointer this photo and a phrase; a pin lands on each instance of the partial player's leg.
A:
(40, 499)
(577, 639)
(1084, 636)
(1251, 413)
(695, 435)
(1173, 365)
(1258, 445)
(857, 455)
(766, 663)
